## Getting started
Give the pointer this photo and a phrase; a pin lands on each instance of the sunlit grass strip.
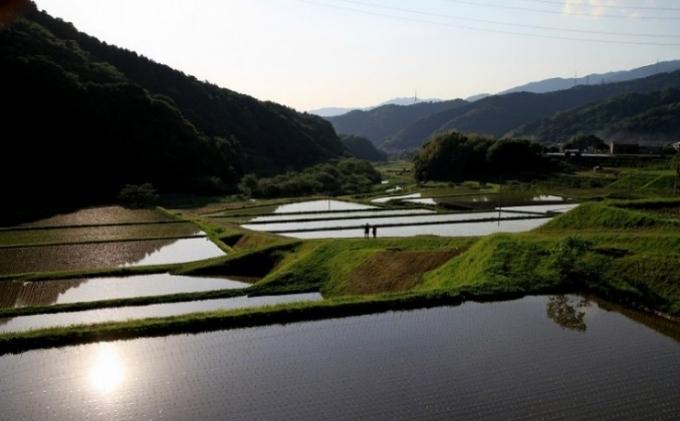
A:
(123, 302)
(220, 320)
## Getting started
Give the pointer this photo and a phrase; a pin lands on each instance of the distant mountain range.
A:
(381, 123)
(336, 111)
(558, 83)
(534, 115)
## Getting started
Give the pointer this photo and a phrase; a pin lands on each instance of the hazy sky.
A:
(314, 53)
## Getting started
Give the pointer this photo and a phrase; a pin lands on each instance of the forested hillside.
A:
(87, 117)
(645, 118)
(382, 123)
(499, 115)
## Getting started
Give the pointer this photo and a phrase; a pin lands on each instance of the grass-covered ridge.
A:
(624, 251)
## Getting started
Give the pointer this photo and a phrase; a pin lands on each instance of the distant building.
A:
(619, 148)
(676, 146)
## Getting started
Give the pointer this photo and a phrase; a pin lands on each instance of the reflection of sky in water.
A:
(23, 294)
(320, 206)
(107, 373)
(391, 198)
(505, 360)
(180, 251)
(448, 230)
(408, 219)
(331, 215)
(117, 314)
(543, 208)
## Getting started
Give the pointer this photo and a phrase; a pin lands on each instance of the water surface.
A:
(117, 314)
(180, 251)
(538, 357)
(333, 215)
(63, 291)
(465, 229)
(395, 219)
(320, 206)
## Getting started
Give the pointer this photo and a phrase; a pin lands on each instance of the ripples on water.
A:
(538, 357)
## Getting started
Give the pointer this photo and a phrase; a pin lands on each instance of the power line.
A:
(552, 12)
(655, 8)
(498, 31)
(539, 27)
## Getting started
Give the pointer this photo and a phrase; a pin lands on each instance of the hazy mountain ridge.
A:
(500, 114)
(558, 83)
(338, 111)
(380, 124)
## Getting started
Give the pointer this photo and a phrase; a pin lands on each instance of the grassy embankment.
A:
(626, 251)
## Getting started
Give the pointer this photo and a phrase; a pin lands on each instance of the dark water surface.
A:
(538, 357)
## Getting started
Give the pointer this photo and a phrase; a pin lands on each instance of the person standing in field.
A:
(367, 228)
(375, 231)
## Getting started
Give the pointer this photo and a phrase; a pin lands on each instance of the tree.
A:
(138, 196)
(248, 184)
(585, 142)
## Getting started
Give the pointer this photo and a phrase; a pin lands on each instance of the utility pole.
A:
(415, 97)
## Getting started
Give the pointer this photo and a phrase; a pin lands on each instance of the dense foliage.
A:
(456, 157)
(653, 116)
(586, 142)
(346, 176)
(86, 118)
(134, 196)
(362, 148)
(503, 115)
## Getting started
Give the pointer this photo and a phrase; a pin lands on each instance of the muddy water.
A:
(538, 357)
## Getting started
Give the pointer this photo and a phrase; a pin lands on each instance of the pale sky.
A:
(315, 53)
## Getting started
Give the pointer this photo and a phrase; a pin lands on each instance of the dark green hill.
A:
(498, 115)
(82, 118)
(646, 118)
(362, 148)
(381, 123)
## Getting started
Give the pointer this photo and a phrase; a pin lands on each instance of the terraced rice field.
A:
(15, 294)
(103, 233)
(40, 321)
(105, 255)
(102, 215)
(507, 360)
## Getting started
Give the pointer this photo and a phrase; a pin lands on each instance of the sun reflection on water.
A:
(107, 371)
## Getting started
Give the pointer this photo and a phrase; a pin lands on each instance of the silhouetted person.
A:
(367, 229)
(375, 231)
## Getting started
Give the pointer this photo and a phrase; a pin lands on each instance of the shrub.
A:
(135, 196)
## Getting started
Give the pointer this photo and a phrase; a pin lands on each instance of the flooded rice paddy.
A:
(105, 255)
(466, 229)
(335, 215)
(357, 223)
(15, 294)
(101, 233)
(558, 357)
(117, 314)
(320, 206)
(102, 215)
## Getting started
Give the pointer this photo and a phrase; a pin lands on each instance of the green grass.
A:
(329, 265)
(217, 320)
(627, 251)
